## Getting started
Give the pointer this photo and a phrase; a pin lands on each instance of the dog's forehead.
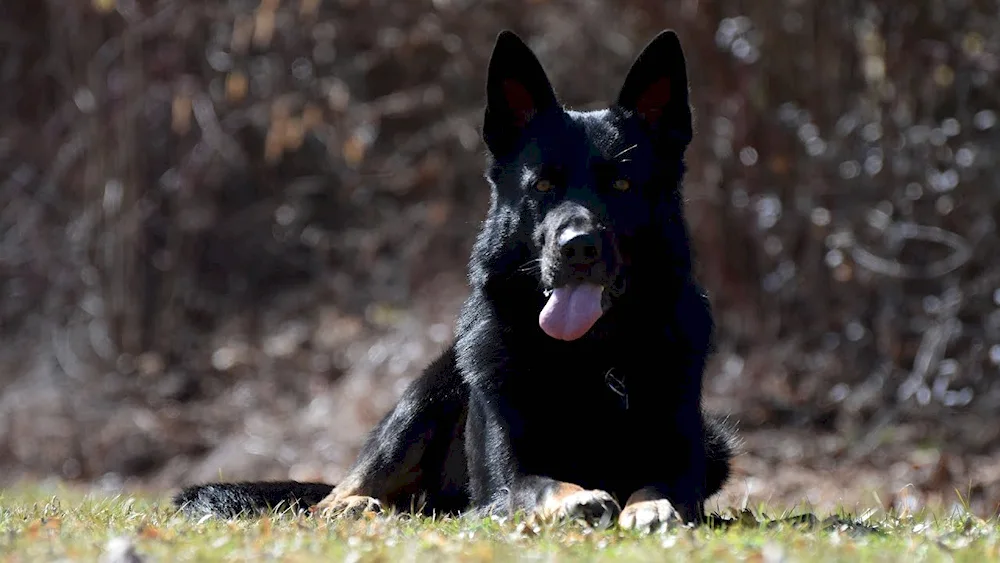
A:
(601, 129)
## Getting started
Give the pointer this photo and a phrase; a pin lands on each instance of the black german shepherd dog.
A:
(575, 379)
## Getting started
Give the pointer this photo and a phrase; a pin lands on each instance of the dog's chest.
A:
(552, 393)
(571, 424)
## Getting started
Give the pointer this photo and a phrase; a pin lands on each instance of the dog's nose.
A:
(580, 248)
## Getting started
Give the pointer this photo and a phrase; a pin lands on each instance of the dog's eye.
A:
(543, 185)
(622, 185)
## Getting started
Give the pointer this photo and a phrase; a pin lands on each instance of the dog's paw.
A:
(595, 507)
(649, 516)
(351, 506)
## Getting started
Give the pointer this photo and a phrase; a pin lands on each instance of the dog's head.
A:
(589, 198)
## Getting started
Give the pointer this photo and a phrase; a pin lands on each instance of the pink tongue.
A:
(571, 311)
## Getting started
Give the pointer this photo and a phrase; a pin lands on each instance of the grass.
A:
(69, 525)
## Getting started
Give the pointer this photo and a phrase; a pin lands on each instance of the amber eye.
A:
(622, 185)
(543, 185)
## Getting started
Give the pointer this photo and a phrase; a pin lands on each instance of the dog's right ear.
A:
(517, 90)
(656, 89)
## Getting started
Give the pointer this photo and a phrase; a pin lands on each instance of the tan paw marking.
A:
(570, 502)
(350, 506)
(649, 515)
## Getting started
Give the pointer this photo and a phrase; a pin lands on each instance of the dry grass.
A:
(62, 524)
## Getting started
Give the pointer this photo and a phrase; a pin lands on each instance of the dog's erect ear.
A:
(517, 89)
(656, 89)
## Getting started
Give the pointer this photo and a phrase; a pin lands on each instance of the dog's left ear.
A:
(656, 89)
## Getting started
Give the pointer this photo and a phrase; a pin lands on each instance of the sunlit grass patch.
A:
(64, 524)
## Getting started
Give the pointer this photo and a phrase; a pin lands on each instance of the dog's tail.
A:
(230, 500)
(722, 443)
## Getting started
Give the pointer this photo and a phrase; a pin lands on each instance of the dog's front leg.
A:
(499, 484)
(673, 474)
(394, 466)
(673, 477)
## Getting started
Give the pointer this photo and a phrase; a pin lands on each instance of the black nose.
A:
(581, 249)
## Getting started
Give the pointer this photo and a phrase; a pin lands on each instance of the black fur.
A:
(510, 418)
(229, 500)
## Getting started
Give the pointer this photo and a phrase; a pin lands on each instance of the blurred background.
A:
(232, 231)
